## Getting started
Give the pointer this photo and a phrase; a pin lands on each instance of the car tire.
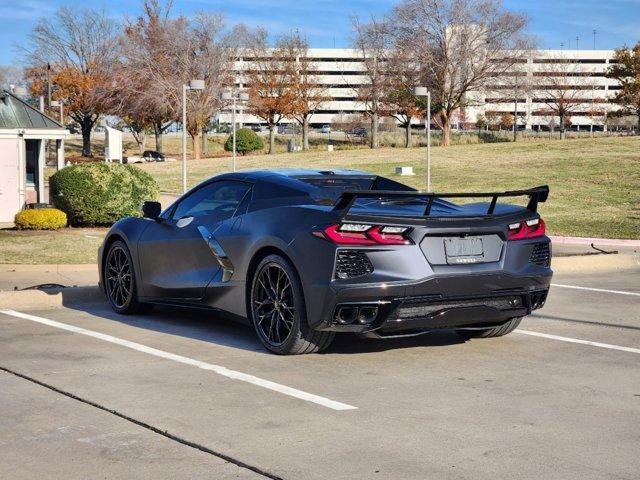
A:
(277, 310)
(498, 331)
(119, 281)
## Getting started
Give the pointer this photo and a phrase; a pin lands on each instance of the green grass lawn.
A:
(68, 245)
(595, 183)
(595, 186)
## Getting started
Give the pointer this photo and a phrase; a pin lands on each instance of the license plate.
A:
(464, 250)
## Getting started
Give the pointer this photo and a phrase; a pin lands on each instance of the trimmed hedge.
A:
(99, 193)
(246, 141)
(40, 219)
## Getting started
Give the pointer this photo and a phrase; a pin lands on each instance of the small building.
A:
(24, 132)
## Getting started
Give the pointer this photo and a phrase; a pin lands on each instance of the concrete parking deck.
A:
(531, 405)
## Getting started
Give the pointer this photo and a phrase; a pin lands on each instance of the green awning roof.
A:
(16, 113)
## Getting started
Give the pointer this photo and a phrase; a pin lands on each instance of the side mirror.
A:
(151, 210)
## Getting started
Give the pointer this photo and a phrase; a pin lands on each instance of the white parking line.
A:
(581, 342)
(243, 377)
(619, 292)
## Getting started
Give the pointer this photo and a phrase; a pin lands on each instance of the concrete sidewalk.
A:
(17, 277)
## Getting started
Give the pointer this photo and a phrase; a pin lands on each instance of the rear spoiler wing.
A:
(348, 197)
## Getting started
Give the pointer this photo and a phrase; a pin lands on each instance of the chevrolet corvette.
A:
(304, 254)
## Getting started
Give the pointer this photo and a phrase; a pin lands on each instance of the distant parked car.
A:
(326, 128)
(257, 128)
(359, 132)
(153, 156)
(288, 128)
(73, 129)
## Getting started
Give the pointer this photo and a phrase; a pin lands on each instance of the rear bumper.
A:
(469, 301)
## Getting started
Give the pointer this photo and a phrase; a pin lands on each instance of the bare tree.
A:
(372, 43)
(145, 52)
(309, 95)
(559, 87)
(171, 51)
(460, 45)
(270, 82)
(398, 100)
(627, 71)
(81, 47)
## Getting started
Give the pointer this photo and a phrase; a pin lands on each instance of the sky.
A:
(326, 23)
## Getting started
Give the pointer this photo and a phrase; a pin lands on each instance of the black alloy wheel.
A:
(120, 282)
(278, 311)
(273, 304)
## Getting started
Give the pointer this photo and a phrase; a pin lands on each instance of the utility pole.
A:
(192, 85)
(577, 42)
(594, 38)
(234, 97)
(424, 92)
(49, 85)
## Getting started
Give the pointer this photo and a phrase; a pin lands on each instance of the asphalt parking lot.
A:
(86, 393)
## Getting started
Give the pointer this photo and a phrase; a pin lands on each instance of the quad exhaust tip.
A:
(349, 314)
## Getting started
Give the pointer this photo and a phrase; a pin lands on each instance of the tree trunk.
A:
(205, 143)
(141, 140)
(374, 142)
(446, 129)
(85, 127)
(515, 122)
(305, 133)
(157, 129)
(562, 127)
(408, 139)
(272, 139)
(196, 145)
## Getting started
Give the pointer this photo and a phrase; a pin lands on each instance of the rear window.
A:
(329, 189)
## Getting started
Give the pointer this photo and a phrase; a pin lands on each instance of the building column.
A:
(60, 154)
(22, 171)
(41, 161)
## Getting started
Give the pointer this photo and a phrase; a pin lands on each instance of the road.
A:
(86, 393)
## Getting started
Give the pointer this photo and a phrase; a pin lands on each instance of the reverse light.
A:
(361, 234)
(527, 229)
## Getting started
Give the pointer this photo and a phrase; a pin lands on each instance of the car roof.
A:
(293, 173)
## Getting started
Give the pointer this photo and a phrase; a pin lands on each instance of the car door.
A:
(177, 261)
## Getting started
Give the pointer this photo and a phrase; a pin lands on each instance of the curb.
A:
(591, 263)
(54, 298)
(587, 241)
(50, 267)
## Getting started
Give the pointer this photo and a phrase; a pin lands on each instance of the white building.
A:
(23, 134)
(341, 71)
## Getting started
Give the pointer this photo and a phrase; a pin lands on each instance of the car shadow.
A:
(220, 329)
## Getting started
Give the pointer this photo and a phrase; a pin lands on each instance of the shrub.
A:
(40, 219)
(100, 193)
(246, 141)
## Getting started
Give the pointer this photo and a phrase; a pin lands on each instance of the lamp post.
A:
(192, 85)
(234, 97)
(424, 92)
(59, 103)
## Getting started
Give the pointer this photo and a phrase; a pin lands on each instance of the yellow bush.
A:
(40, 219)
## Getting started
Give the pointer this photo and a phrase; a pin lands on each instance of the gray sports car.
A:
(304, 254)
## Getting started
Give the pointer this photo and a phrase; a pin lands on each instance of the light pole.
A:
(424, 92)
(234, 97)
(192, 85)
(59, 103)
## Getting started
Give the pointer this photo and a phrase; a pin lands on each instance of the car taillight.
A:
(526, 229)
(361, 234)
